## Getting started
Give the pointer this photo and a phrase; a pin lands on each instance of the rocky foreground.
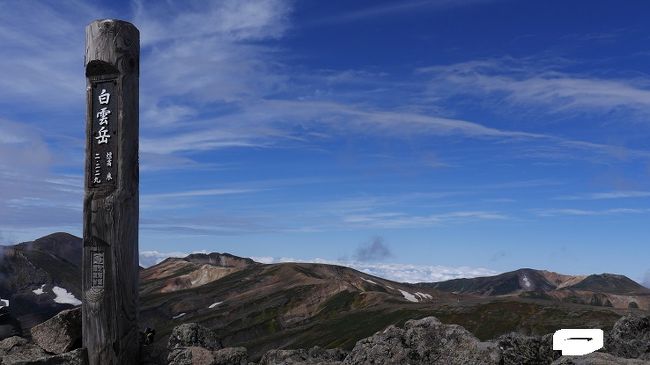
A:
(424, 341)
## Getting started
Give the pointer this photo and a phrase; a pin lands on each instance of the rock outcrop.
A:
(314, 356)
(193, 344)
(61, 333)
(17, 349)
(425, 341)
(519, 349)
(629, 338)
(76, 357)
(201, 356)
(418, 342)
(193, 335)
(597, 358)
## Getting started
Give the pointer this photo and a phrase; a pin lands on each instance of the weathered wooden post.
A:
(110, 254)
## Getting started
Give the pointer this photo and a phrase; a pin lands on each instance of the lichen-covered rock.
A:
(314, 356)
(17, 350)
(629, 338)
(76, 357)
(597, 358)
(190, 356)
(202, 356)
(231, 356)
(193, 335)
(519, 349)
(61, 333)
(423, 342)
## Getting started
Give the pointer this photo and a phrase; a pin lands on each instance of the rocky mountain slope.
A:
(41, 278)
(301, 305)
(608, 290)
(418, 342)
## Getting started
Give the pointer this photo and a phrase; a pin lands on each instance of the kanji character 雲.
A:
(103, 116)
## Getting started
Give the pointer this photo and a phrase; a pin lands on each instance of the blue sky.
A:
(440, 136)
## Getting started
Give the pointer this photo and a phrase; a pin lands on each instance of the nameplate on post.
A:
(103, 151)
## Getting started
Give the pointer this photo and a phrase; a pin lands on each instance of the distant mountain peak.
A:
(219, 259)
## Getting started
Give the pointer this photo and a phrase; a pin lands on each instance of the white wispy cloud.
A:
(520, 82)
(199, 192)
(403, 220)
(43, 41)
(589, 212)
(623, 194)
(31, 196)
(394, 9)
(273, 124)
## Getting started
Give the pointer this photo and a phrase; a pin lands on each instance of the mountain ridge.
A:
(292, 305)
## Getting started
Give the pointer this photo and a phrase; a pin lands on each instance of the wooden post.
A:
(110, 253)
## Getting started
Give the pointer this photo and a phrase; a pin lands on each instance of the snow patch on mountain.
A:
(408, 296)
(369, 281)
(40, 290)
(64, 297)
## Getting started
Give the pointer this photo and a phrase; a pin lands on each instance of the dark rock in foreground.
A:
(61, 333)
(193, 335)
(519, 349)
(597, 358)
(193, 344)
(76, 357)
(202, 356)
(419, 342)
(313, 356)
(629, 338)
(15, 349)
(425, 341)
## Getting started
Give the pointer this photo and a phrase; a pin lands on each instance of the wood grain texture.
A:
(110, 229)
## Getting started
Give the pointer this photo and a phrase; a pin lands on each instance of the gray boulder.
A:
(630, 338)
(189, 356)
(76, 357)
(61, 333)
(314, 356)
(202, 356)
(231, 356)
(423, 342)
(520, 349)
(17, 350)
(193, 335)
(597, 358)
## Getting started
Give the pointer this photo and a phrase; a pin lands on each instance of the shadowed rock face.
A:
(629, 338)
(40, 265)
(519, 349)
(597, 358)
(313, 356)
(418, 342)
(424, 341)
(59, 334)
(15, 349)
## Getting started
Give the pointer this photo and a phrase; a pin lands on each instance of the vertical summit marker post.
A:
(111, 201)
